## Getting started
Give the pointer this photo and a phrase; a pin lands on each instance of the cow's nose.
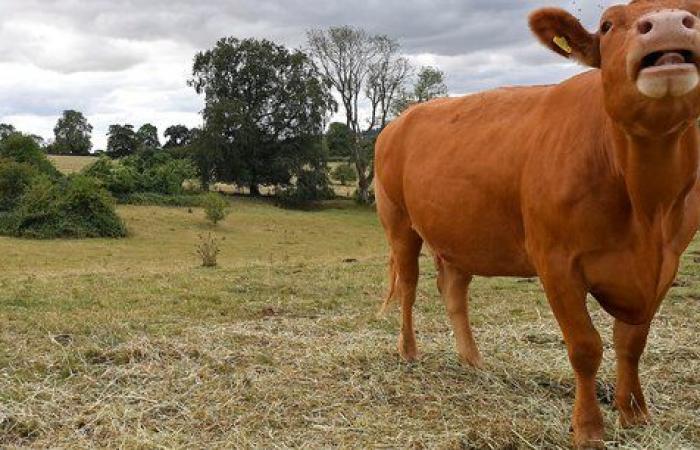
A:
(666, 22)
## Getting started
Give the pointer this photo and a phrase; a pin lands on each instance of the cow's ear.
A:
(564, 34)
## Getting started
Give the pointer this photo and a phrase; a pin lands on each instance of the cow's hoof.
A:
(474, 361)
(408, 349)
(588, 444)
(632, 419)
(592, 438)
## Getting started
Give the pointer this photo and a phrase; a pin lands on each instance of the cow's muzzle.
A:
(665, 60)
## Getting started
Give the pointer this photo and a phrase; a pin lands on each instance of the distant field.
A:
(131, 344)
(71, 164)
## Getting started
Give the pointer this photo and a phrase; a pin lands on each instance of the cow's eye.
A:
(606, 26)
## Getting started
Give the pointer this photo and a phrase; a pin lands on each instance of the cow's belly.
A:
(481, 234)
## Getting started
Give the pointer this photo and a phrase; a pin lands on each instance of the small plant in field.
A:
(215, 208)
(208, 249)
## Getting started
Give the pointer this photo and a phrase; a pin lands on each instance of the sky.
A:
(128, 61)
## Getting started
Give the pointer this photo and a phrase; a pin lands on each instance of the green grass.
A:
(129, 343)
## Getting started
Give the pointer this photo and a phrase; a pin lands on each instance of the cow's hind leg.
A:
(454, 288)
(405, 251)
(630, 341)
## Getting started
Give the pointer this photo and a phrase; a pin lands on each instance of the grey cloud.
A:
(113, 58)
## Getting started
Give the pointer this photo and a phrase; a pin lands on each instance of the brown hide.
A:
(588, 184)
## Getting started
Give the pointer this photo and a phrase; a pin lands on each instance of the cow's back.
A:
(456, 168)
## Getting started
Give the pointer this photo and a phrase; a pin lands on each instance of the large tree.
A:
(121, 141)
(177, 136)
(360, 66)
(72, 134)
(265, 110)
(147, 136)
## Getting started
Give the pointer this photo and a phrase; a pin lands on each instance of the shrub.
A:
(356, 197)
(148, 171)
(75, 207)
(311, 187)
(169, 176)
(215, 207)
(344, 174)
(208, 250)
(24, 149)
(15, 178)
(118, 179)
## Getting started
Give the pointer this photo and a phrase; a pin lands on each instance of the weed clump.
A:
(208, 249)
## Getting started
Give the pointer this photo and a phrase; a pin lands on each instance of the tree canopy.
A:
(72, 134)
(178, 136)
(265, 110)
(429, 84)
(121, 141)
(147, 136)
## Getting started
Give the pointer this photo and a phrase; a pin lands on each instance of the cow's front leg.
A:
(568, 302)
(630, 341)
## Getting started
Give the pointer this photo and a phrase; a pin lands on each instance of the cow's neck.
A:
(659, 172)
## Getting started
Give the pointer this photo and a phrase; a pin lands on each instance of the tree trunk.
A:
(362, 183)
(254, 190)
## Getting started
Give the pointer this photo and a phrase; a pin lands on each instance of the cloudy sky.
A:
(127, 61)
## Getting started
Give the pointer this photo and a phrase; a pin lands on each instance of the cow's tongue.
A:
(670, 58)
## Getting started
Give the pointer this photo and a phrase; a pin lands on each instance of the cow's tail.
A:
(393, 281)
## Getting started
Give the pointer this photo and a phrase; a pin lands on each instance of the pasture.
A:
(129, 343)
(71, 164)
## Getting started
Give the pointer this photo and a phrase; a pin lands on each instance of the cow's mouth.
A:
(667, 59)
(667, 73)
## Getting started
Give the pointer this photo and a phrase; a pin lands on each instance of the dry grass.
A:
(71, 164)
(280, 347)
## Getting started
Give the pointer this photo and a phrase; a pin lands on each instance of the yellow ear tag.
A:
(563, 44)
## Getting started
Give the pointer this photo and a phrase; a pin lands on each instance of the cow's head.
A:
(649, 55)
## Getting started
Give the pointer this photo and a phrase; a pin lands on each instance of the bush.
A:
(72, 207)
(148, 171)
(215, 207)
(15, 178)
(344, 174)
(208, 250)
(169, 176)
(311, 187)
(118, 179)
(24, 149)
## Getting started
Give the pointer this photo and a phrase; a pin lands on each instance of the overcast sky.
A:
(127, 61)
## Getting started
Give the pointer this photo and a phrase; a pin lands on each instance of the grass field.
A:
(131, 344)
(71, 164)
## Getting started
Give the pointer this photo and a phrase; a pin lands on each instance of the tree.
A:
(6, 130)
(265, 110)
(177, 136)
(385, 79)
(430, 84)
(147, 136)
(339, 139)
(121, 141)
(72, 134)
(357, 64)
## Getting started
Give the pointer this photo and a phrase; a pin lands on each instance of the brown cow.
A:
(590, 184)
